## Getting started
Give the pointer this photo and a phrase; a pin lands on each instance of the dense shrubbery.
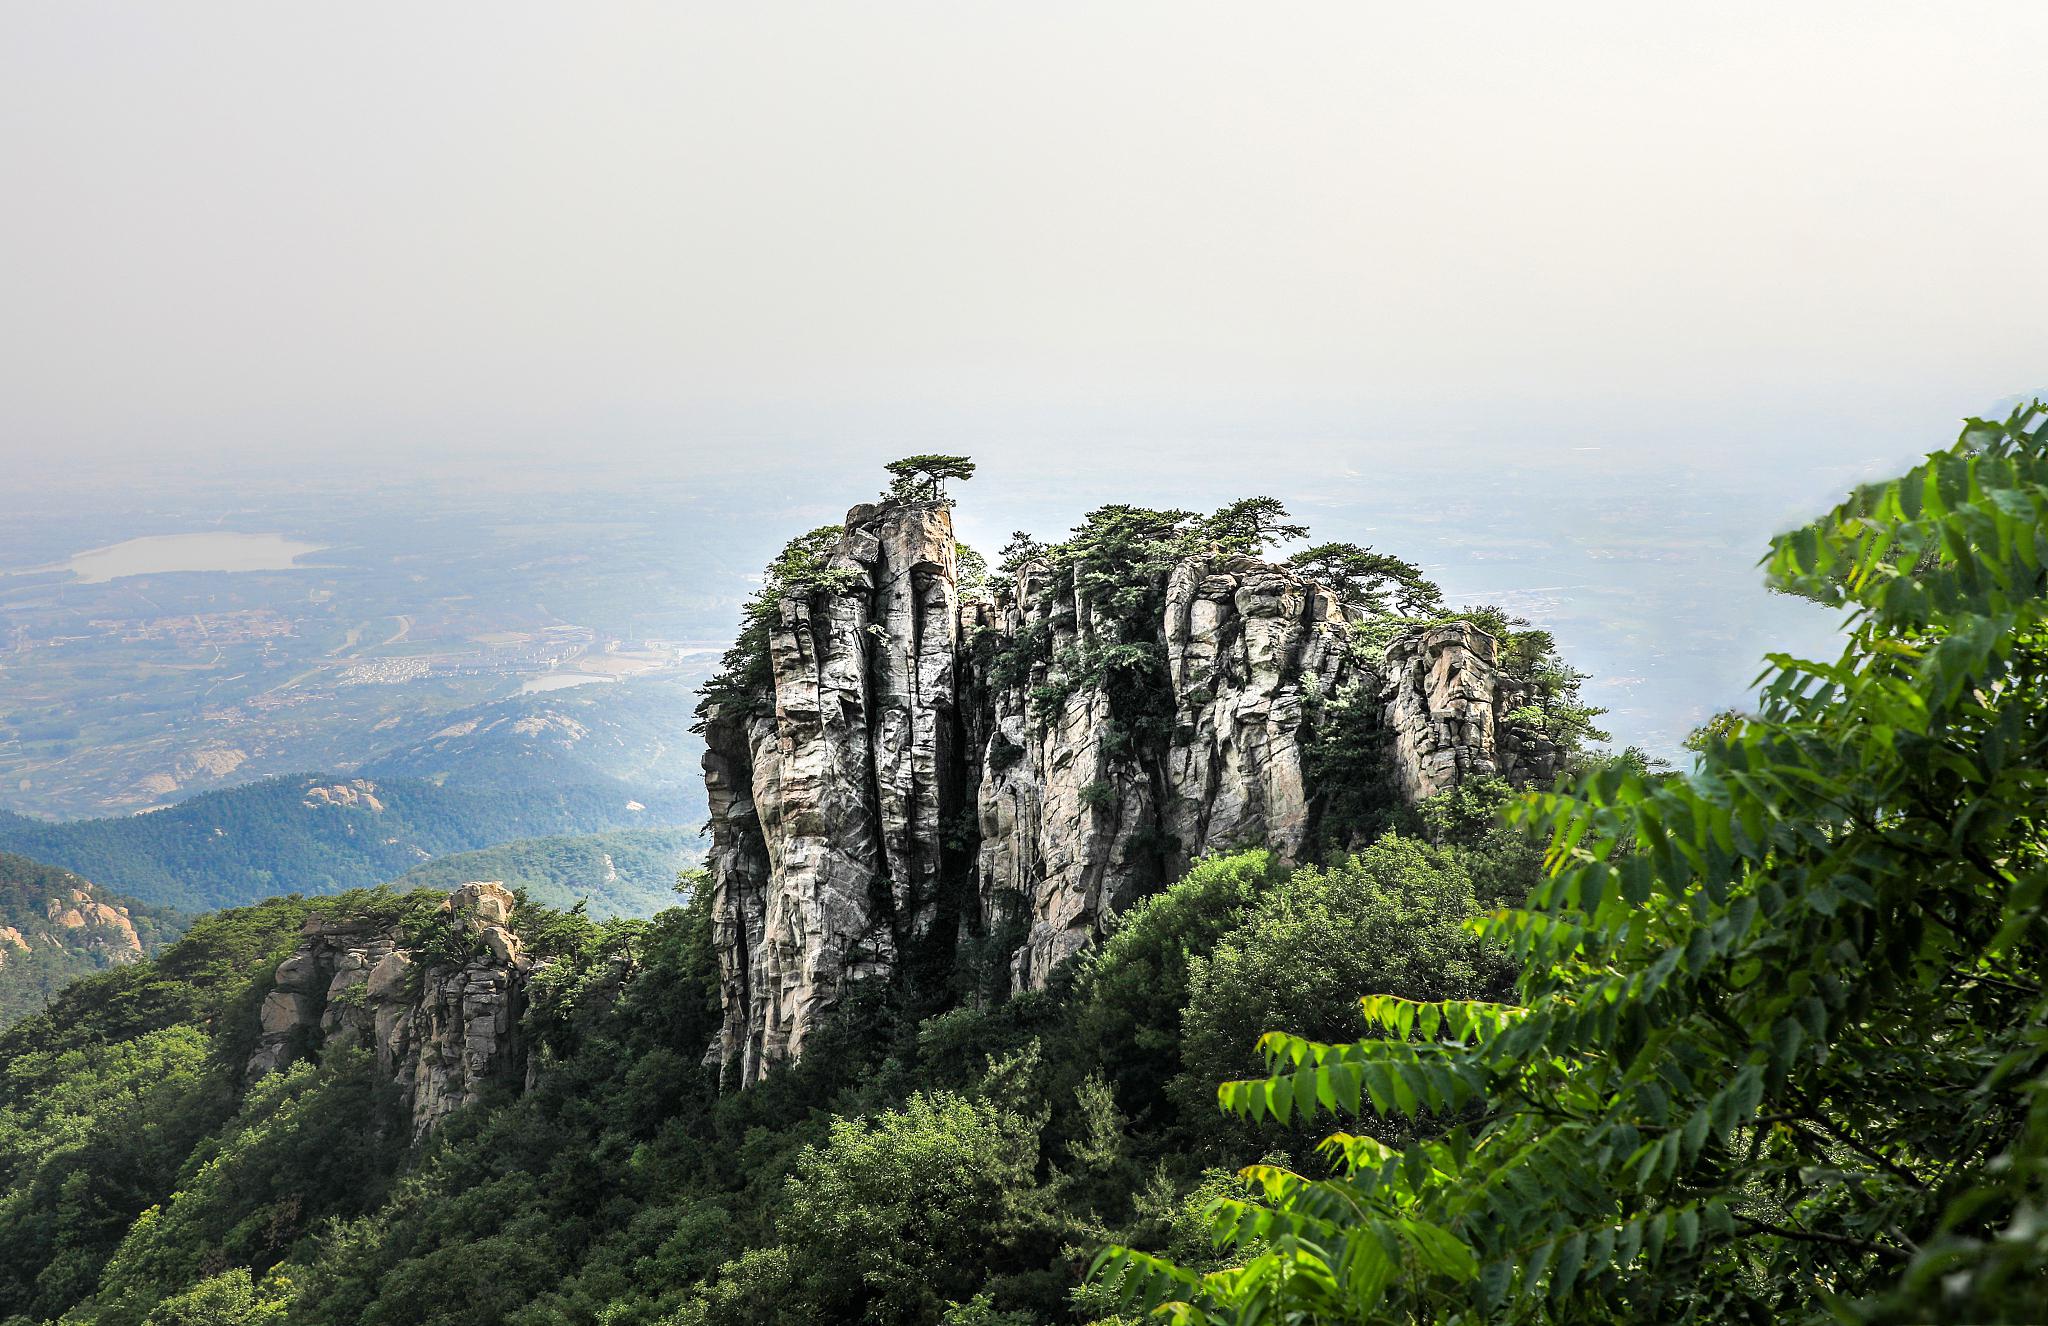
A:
(125, 1092)
(1391, 920)
(973, 1158)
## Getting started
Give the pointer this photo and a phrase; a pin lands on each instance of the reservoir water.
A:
(161, 554)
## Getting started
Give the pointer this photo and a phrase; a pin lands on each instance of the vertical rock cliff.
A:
(915, 767)
(829, 804)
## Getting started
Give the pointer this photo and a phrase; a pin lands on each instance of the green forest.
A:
(1761, 1040)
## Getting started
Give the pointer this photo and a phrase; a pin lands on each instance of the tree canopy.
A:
(1359, 575)
(1251, 525)
(1777, 1053)
(922, 478)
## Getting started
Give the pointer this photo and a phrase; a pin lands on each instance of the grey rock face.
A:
(827, 848)
(1443, 700)
(1250, 649)
(904, 784)
(441, 1032)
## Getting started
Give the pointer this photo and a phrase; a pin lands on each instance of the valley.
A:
(176, 660)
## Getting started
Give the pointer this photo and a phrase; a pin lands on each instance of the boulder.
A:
(387, 980)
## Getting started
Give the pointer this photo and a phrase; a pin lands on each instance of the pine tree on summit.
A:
(922, 478)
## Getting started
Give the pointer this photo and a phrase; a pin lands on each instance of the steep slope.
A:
(312, 833)
(626, 872)
(893, 763)
(56, 927)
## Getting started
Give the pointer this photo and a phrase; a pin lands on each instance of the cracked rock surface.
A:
(441, 1031)
(898, 790)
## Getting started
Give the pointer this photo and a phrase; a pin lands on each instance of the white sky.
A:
(229, 226)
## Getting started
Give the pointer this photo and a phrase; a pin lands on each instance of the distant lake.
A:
(161, 554)
(556, 681)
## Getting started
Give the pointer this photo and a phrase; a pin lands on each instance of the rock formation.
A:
(76, 920)
(827, 811)
(442, 1030)
(922, 767)
(1442, 702)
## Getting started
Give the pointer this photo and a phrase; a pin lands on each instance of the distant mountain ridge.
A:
(635, 733)
(625, 872)
(56, 927)
(319, 833)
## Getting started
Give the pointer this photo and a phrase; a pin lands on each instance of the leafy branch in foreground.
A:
(1780, 1052)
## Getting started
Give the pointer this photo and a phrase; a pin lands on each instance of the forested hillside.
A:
(56, 927)
(312, 833)
(1759, 1042)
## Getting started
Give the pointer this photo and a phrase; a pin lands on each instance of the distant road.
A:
(404, 630)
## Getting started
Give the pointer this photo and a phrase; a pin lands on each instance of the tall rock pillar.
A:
(827, 811)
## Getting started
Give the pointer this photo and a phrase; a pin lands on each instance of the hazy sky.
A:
(463, 228)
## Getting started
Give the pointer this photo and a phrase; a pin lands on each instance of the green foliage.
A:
(231, 1298)
(1378, 583)
(981, 1311)
(971, 568)
(1778, 1051)
(1713, 732)
(1098, 795)
(1390, 920)
(307, 1143)
(922, 478)
(430, 928)
(1350, 769)
(1132, 987)
(1003, 753)
(898, 1213)
(1250, 525)
(109, 1100)
(1504, 860)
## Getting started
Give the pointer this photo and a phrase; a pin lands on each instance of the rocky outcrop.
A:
(355, 794)
(443, 1028)
(75, 920)
(827, 812)
(1076, 821)
(921, 768)
(1442, 700)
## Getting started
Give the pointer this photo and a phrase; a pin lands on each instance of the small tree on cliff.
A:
(923, 478)
(1250, 525)
(1360, 575)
